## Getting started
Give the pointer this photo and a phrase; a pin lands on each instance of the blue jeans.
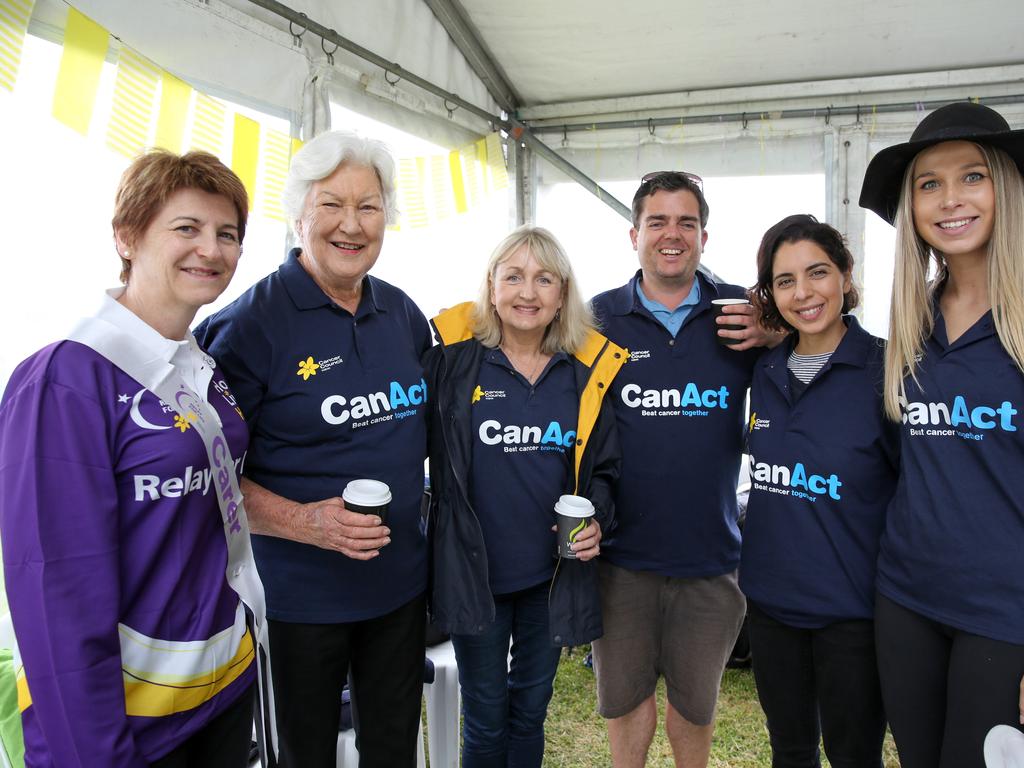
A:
(504, 705)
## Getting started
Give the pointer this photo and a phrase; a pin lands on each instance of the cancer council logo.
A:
(307, 368)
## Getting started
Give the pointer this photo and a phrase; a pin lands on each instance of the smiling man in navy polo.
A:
(669, 597)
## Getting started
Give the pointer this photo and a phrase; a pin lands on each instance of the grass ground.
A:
(576, 735)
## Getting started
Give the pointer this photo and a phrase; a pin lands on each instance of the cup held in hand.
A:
(574, 513)
(716, 306)
(368, 497)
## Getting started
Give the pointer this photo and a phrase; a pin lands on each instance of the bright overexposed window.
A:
(58, 195)
(879, 256)
(57, 198)
(741, 209)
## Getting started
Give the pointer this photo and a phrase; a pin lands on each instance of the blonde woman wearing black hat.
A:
(950, 607)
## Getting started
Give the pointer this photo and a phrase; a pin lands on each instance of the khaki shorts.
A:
(681, 629)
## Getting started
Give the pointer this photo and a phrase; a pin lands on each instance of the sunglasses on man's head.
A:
(658, 175)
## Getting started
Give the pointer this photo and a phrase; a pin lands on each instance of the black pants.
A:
(311, 663)
(223, 743)
(809, 676)
(944, 689)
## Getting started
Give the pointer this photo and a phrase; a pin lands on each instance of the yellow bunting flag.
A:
(208, 124)
(14, 16)
(276, 146)
(458, 185)
(472, 178)
(441, 187)
(496, 161)
(481, 160)
(410, 185)
(245, 153)
(85, 48)
(131, 115)
(296, 145)
(175, 96)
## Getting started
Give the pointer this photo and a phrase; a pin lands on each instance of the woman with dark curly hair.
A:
(823, 464)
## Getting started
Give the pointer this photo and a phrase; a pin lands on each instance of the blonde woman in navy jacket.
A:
(519, 417)
(823, 468)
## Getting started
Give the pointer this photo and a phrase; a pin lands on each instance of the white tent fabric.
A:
(241, 52)
(576, 64)
(594, 49)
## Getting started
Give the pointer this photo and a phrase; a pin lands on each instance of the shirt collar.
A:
(184, 355)
(306, 294)
(692, 299)
(626, 301)
(853, 349)
(115, 313)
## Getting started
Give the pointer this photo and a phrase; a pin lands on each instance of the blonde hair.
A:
(572, 323)
(910, 315)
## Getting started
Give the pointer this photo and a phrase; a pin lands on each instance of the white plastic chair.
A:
(348, 755)
(443, 716)
(443, 707)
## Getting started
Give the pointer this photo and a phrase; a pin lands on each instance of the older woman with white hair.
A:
(324, 360)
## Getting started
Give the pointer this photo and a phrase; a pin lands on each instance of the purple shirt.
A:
(114, 558)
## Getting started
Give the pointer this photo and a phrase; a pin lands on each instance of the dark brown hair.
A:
(796, 229)
(669, 181)
(154, 176)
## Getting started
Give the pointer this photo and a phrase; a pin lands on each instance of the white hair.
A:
(320, 157)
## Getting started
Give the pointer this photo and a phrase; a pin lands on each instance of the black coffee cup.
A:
(368, 497)
(716, 306)
(574, 513)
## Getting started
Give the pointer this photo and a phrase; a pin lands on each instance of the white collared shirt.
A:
(194, 365)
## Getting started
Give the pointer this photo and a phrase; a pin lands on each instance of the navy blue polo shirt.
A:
(823, 470)
(955, 529)
(521, 463)
(679, 404)
(330, 397)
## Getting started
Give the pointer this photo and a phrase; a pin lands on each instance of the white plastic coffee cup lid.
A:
(724, 302)
(367, 493)
(1004, 747)
(574, 506)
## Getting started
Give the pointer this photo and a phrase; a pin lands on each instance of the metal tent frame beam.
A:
(520, 131)
(467, 39)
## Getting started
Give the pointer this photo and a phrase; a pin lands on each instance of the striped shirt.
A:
(806, 367)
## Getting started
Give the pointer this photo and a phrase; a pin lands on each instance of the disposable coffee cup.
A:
(574, 514)
(717, 305)
(368, 497)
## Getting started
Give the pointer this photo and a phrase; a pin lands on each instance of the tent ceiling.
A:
(576, 50)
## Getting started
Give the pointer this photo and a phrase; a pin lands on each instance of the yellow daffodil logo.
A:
(753, 421)
(307, 368)
(477, 394)
(184, 423)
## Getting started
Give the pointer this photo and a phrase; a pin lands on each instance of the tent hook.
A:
(650, 125)
(330, 53)
(451, 108)
(744, 118)
(388, 80)
(297, 36)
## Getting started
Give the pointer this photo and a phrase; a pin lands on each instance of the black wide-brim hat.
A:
(961, 121)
